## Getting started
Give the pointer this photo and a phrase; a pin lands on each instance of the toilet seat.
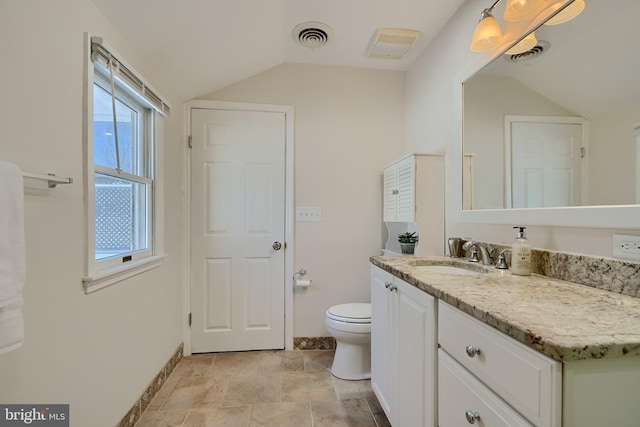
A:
(351, 313)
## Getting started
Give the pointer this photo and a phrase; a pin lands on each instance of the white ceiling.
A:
(205, 45)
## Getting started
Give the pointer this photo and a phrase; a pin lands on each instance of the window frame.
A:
(101, 273)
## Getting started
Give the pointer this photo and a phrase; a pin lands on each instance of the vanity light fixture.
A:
(568, 13)
(518, 10)
(488, 33)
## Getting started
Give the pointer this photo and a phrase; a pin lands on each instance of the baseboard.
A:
(136, 411)
(314, 343)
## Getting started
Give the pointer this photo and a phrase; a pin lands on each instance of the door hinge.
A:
(583, 152)
(189, 142)
(190, 319)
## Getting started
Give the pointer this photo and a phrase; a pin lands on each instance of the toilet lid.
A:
(353, 312)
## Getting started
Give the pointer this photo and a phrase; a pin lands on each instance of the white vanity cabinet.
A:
(403, 350)
(485, 377)
(507, 379)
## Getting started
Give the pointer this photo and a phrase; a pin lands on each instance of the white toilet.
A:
(350, 325)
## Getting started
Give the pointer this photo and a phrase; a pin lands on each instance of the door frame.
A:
(565, 120)
(289, 252)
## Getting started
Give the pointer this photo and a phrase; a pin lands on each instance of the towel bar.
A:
(52, 180)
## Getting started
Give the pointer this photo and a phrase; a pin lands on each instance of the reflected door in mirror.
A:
(546, 167)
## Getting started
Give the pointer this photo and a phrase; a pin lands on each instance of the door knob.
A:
(472, 417)
(277, 246)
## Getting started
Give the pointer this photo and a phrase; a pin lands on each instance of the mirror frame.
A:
(613, 217)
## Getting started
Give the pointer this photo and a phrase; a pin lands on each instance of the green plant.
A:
(407, 237)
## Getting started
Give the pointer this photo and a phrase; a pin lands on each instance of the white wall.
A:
(95, 352)
(349, 123)
(432, 107)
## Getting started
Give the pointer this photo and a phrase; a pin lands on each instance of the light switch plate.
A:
(308, 214)
(626, 246)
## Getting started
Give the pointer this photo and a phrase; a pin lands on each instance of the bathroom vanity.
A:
(506, 351)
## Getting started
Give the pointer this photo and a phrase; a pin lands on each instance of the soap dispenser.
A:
(521, 254)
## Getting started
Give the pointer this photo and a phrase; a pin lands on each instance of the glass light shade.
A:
(518, 10)
(487, 34)
(523, 45)
(568, 13)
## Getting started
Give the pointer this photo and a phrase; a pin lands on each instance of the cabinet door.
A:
(416, 356)
(390, 194)
(382, 342)
(406, 197)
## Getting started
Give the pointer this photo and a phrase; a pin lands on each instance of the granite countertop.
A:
(563, 320)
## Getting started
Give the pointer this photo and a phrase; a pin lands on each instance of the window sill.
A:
(117, 274)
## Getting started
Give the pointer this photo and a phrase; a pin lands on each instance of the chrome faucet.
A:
(485, 254)
(501, 263)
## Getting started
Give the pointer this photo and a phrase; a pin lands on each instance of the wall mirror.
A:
(559, 126)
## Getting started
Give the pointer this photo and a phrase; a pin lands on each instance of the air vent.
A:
(392, 43)
(313, 35)
(541, 47)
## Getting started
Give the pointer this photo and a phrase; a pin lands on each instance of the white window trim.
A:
(96, 279)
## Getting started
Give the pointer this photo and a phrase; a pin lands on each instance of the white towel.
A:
(12, 256)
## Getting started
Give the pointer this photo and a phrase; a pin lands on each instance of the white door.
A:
(546, 164)
(237, 230)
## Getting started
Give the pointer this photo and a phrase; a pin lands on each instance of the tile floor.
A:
(262, 388)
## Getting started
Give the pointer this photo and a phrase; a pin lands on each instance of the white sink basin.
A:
(449, 269)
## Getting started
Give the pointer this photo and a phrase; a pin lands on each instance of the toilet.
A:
(350, 325)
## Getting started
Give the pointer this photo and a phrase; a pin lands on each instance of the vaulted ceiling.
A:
(204, 45)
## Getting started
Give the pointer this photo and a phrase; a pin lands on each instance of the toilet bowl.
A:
(350, 325)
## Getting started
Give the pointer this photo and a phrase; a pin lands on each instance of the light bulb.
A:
(518, 10)
(487, 34)
(523, 45)
(568, 13)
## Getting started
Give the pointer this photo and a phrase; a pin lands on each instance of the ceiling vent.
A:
(392, 43)
(313, 35)
(540, 48)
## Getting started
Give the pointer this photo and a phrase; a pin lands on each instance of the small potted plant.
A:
(407, 242)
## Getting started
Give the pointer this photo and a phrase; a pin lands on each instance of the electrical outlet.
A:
(308, 214)
(625, 246)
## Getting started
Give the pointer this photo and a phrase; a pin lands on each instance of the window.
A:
(122, 171)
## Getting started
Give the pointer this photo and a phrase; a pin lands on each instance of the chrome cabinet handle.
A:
(395, 192)
(277, 246)
(472, 350)
(393, 288)
(472, 417)
(387, 285)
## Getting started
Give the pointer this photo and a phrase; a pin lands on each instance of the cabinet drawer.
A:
(527, 380)
(461, 395)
